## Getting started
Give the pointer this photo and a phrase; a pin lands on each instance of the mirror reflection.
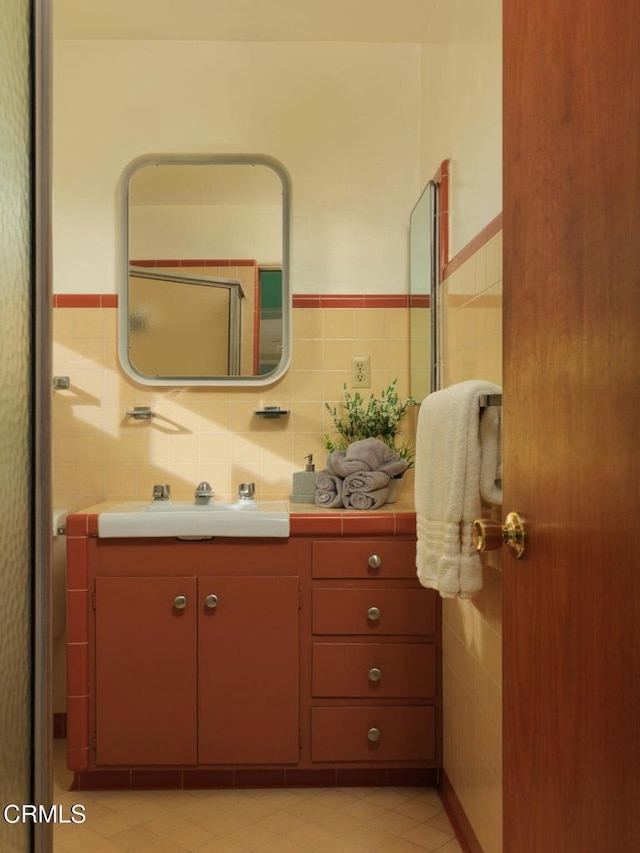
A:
(205, 296)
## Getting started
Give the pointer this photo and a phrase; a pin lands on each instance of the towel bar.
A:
(490, 400)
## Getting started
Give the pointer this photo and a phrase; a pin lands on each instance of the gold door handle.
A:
(488, 535)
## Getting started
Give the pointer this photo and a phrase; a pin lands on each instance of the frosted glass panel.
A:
(15, 453)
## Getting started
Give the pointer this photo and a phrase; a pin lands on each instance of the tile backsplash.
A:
(209, 433)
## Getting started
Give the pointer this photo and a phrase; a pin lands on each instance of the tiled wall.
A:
(472, 628)
(209, 433)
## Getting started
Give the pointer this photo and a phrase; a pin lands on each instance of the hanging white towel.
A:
(448, 470)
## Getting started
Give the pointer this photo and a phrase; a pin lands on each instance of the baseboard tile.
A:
(456, 814)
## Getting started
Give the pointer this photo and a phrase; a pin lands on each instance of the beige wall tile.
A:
(472, 628)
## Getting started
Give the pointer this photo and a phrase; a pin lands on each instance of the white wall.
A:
(461, 95)
(343, 119)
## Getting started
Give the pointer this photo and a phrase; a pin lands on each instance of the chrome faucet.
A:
(204, 492)
(162, 492)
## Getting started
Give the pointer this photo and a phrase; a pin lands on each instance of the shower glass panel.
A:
(424, 287)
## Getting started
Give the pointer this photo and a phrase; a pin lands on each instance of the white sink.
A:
(172, 518)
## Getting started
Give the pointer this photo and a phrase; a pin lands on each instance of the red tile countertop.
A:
(396, 519)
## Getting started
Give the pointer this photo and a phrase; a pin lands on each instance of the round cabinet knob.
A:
(374, 734)
(373, 614)
(180, 602)
(374, 561)
(211, 601)
(375, 674)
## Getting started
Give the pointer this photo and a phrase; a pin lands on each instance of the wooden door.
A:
(248, 683)
(146, 671)
(571, 425)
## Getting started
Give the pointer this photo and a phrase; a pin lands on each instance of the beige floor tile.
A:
(340, 821)
(420, 809)
(342, 845)
(281, 823)
(251, 837)
(309, 810)
(441, 822)
(194, 838)
(427, 837)
(312, 837)
(369, 837)
(400, 845)
(335, 798)
(363, 809)
(135, 838)
(393, 823)
(300, 820)
(450, 847)
(389, 798)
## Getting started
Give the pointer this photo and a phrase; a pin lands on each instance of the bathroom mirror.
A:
(424, 280)
(203, 263)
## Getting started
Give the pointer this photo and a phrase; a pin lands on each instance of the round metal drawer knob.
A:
(180, 602)
(375, 561)
(374, 735)
(211, 601)
(373, 614)
(375, 674)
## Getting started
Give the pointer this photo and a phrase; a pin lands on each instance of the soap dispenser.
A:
(304, 483)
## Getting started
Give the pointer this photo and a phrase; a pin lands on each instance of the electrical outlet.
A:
(360, 371)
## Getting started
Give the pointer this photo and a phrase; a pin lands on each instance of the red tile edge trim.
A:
(299, 300)
(341, 523)
(195, 262)
(350, 300)
(476, 243)
(205, 778)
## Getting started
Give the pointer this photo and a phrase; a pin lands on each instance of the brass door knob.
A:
(488, 535)
(375, 674)
(180, 602)
(211, 601)
(374, 561)
(373, 614)
(374, 734)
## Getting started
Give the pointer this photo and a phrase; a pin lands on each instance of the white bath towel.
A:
(447, 487)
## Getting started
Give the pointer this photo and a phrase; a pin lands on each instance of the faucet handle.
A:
(204, 490)
(246, 491)
(162, 492)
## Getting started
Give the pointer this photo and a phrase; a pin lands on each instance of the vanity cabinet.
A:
(313, 660)
(180, 662)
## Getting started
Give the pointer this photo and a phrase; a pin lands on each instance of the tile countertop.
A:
(397, 519)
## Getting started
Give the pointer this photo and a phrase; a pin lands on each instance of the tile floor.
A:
(330, 820)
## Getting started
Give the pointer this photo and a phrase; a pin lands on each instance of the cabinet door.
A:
(248, 670)
(146, 671)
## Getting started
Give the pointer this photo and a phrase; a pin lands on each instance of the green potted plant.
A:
(378, 417)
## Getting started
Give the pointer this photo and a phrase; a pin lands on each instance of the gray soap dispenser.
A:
(304, 483)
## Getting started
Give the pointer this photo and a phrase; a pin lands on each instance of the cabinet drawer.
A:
(373, 734)
(378, 670)
(374, 610)
(366, 558)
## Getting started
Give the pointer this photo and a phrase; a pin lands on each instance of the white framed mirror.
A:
(203, 267)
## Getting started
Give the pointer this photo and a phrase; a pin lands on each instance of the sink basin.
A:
(172, 518)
